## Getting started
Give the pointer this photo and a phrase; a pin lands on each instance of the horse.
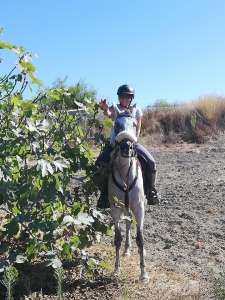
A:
(126, 191)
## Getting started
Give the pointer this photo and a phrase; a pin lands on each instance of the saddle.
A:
(101, 180)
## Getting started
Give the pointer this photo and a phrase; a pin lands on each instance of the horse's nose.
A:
(125, 148)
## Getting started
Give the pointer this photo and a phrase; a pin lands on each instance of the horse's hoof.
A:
(144, 278)
(116, 272)
(127, 253)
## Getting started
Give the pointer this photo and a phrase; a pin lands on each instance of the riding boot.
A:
(152, 194)
(100, 179)
(103, 200)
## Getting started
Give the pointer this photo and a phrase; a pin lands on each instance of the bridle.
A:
(126, 188)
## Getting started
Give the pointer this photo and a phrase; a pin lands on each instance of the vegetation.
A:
(9, 279)
(218, 283)
(46, 145)
(44, 217)
(193, 122)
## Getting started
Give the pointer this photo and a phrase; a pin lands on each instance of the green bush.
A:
(43, 147)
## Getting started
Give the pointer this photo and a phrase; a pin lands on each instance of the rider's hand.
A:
(103, 105)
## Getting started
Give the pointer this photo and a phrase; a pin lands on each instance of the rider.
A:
(126, 95)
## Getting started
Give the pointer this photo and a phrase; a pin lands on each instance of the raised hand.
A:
(103, 105)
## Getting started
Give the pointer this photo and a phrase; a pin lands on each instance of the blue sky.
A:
(165, 49)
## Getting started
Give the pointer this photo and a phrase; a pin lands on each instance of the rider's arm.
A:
(109, 112)
(139, 115)
(138, 126)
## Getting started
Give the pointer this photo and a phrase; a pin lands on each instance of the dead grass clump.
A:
(172, 121)
(193, 122)
(210, 107)
(150, 123)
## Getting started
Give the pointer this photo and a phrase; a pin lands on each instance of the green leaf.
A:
(6, 45)
(54, 94)
(31, 126)
(35, 80)
(67, 251)
(55, 263)
(106, 265)
(12, 228)
(20, 259)
(83, 218)
(16, 99)
(60, 164)
(107, 123)
(28, 67)
(109, 231)
(75, 241)
(68, 220)
(28, 105)
(92, 262)
(45, 167)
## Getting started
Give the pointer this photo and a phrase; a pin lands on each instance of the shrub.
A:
(43, 146)
(192, 122)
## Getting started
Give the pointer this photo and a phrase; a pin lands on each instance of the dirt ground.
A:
(184, 235)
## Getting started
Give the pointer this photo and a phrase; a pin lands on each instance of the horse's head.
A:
(126, 148)
(125, 124)
(125, 135)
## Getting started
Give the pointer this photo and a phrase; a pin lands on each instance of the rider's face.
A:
(125, 100)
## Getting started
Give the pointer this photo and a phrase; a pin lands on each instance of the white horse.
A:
(126, 191)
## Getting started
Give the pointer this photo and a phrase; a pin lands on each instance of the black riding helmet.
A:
(125, 90)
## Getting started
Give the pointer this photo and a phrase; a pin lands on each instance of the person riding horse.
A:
(126, 95)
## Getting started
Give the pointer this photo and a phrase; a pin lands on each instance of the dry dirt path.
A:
(185, 234)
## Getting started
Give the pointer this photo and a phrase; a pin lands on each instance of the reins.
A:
(126, 188)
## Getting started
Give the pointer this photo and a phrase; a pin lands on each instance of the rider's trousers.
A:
(142, 153)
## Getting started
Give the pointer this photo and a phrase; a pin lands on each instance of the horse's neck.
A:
(125, 168)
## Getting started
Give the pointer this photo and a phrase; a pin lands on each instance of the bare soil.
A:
(184, 235)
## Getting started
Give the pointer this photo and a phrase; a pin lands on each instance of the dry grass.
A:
(163, 285)
(193, 122)
(210, 107)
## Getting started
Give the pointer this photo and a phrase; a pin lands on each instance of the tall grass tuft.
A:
(192, 122)
(59, 276)
(9, 279)
(218, 283)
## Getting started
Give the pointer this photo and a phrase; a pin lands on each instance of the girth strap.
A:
(126, 189)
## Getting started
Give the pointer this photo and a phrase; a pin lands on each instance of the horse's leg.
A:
(139, 215)
(128, 239)
(117, 242)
